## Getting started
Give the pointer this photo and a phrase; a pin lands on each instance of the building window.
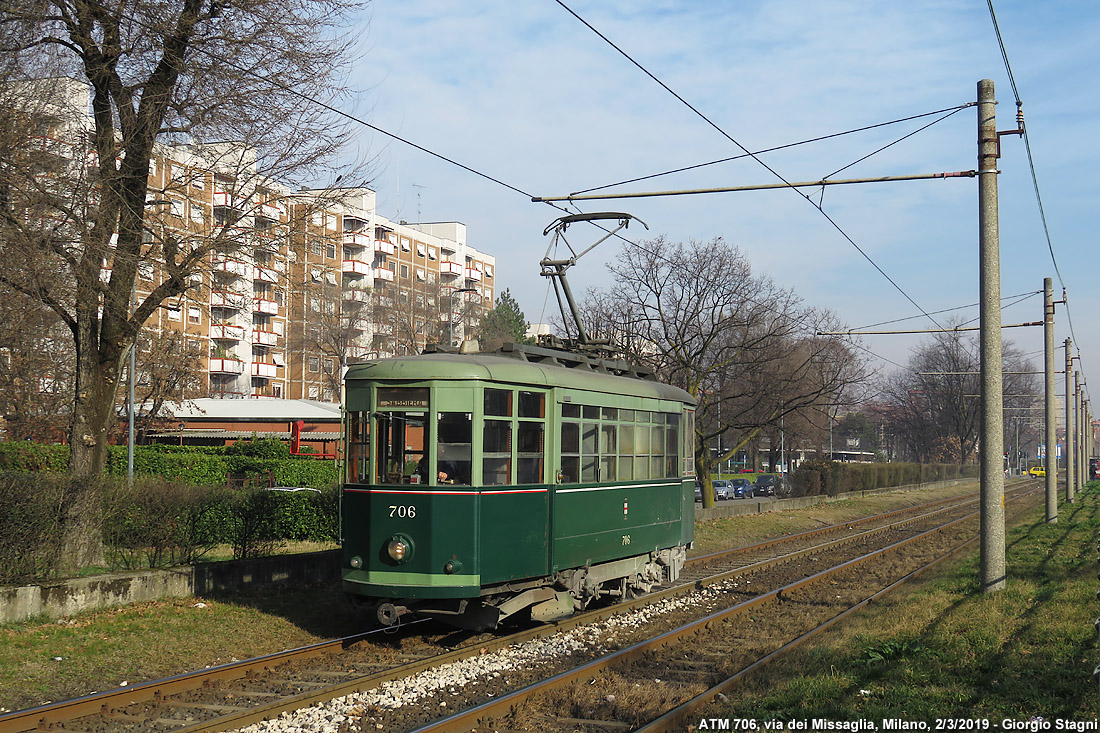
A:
(194, 315)
(314, 364)
(328, 366)
(330, 251)
(404, 270)
(314, 391)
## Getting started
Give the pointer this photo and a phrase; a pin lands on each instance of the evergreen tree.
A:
(505, 322)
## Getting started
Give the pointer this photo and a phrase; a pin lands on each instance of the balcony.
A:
(260, 305)
(355, 267)
(357, 239)
(227, 333)
(264, 338)
(226, 366)
(233, 267)
(472, 273)
(259, 369)
(382, 273)
(270, 211)
(450, 268)
(226, 300)
(356, 296)
(226, 200)
(383, 246)
(265, 274)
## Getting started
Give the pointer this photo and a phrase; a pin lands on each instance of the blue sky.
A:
(525, 93)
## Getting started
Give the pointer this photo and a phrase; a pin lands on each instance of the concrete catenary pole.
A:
(992, 451)
(1069, 421)
(1051, 436)
(1079, 422)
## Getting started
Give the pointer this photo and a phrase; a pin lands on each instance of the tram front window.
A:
(401, 438)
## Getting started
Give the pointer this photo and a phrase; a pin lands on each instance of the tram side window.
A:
(570, 451)
(498, 402)
(358, 452)
(496, 466)
(454, 431)
(530, 438)
(608, 435)
(672, 442)
(590, 453)
(626, 452)
(657, 450)
(641, 451)
(689, 442)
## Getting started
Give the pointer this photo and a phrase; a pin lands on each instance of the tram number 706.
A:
(403, 512)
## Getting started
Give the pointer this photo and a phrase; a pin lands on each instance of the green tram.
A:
(480, 485)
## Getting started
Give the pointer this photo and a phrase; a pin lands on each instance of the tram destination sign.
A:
(403, 397)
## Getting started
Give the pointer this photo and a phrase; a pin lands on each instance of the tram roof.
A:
(587, 374)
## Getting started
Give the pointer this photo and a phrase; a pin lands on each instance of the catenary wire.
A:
(1031, 162)
(753, 156)
(770, 150)
(945, 310)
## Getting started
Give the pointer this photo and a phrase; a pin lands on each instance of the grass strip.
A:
(944, 651)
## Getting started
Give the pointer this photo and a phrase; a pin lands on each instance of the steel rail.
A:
(116, 700)
(471, 718)
(679, 715)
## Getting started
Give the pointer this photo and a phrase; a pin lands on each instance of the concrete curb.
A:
(68, 597)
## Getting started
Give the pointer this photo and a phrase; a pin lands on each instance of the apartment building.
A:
(315, 286)
(297, 283)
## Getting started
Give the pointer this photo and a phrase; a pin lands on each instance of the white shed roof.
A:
(207, 408)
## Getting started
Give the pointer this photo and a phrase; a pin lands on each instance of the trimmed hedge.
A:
(200, 465)
(156, 523)
(834, 478)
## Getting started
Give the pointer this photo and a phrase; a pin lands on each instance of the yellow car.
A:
(1037, 471)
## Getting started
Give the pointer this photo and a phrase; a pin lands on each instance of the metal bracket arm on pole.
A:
(924, 330)
(752, 187)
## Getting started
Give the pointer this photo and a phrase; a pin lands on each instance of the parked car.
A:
(720, 490)
(742, 488)
(1037, 471)
(765, 485)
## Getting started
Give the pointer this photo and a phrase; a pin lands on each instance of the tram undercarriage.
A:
(548, 599)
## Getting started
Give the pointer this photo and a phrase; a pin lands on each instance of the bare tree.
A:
(746, 348)
(932, 406)
(337, 325)
(180, 74)
(36, 371)
(169, 372)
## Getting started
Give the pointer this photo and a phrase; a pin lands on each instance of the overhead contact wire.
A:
(774, 172)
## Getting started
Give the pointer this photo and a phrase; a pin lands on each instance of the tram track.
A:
(243, 693)
(697, 661)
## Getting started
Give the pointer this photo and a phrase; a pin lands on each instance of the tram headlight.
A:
(399, 548)
(356, 562)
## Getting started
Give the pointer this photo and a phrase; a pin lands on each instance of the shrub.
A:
(30, 527)
(253, 523)
(270, 448)
(159, 523)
